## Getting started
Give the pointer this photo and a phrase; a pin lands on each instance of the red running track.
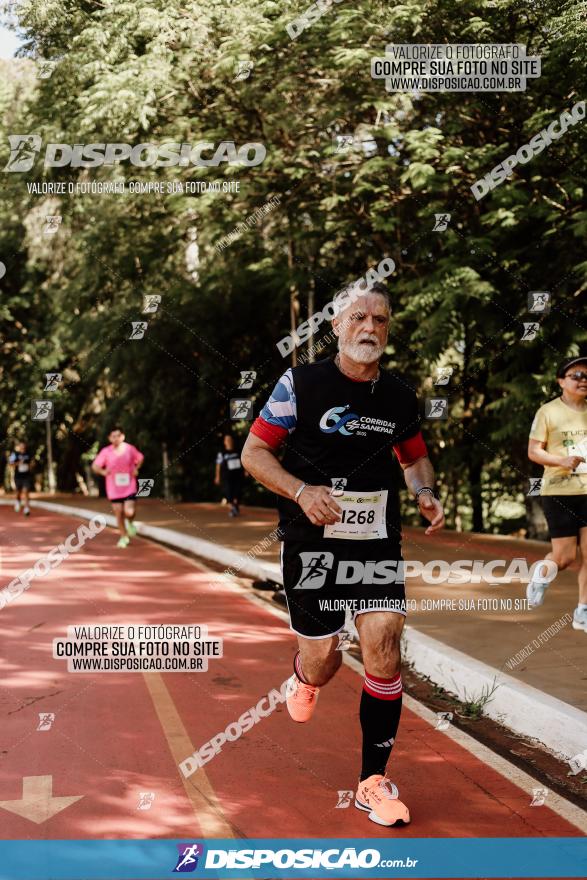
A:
(117, 735)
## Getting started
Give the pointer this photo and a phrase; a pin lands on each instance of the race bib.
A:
(233, 464)
(122, 479)
(23, 468)
(363, 516)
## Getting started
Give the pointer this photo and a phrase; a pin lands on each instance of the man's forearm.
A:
(267, 470)
(419, 474)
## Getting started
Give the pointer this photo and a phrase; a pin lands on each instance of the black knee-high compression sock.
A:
(381, 706)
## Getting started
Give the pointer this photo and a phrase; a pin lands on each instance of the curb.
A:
(522, 708)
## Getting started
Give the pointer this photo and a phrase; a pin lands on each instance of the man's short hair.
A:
(353, 291)
(116, 428)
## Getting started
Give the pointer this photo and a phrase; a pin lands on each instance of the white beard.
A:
(359, 352)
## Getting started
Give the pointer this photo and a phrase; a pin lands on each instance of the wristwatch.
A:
(425, 489)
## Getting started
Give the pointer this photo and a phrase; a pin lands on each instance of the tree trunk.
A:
(476, 496)
(294, 297)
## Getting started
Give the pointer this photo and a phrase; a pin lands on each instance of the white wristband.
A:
(300, 490)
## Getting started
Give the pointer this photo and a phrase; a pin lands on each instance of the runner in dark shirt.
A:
(21, 463)
(337, 485)
(229, 474)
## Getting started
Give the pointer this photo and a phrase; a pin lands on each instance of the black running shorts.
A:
(121, 500)
(23, 481)
(323, 579)
(565, 514)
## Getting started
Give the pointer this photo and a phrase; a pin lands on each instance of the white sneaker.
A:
(535, 593)
(580, 619)
(27, 511)
(538, 585)
(17, 506)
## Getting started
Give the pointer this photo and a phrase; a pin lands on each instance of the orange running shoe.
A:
(379, 797)
(301, 699)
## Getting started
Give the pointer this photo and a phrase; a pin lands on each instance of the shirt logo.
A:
(339, 419)
(333, 420)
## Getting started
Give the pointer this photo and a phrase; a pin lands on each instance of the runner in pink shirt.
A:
(120, 463)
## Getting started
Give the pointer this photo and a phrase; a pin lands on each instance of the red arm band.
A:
(409, 450)
(273, 435)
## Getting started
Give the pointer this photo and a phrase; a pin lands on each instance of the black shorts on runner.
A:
(121, 500)
(23, 482)
(565, 514)
(322, 579)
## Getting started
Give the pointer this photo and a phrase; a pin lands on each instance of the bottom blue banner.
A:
(530, 857)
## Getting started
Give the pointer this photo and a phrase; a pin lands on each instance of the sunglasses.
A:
(577, 376)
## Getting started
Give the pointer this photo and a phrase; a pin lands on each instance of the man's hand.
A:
(431, 509)
(571, 461)
(318, 505)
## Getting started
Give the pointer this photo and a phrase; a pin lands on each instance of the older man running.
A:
(339, 420)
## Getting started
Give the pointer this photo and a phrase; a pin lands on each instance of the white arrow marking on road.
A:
(37, 803)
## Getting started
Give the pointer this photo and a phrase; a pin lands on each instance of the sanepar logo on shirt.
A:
(338, 418)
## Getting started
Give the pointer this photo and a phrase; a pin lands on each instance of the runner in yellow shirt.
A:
(558, 441)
